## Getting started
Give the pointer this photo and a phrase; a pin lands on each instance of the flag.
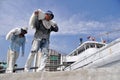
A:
(91, 38)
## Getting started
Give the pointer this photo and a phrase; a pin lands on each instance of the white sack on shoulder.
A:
(12, 32)
(32, 20)
(41, 16)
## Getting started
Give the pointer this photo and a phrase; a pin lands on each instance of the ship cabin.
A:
(84, 50)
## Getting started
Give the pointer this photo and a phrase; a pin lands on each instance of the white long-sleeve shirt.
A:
(16, 43)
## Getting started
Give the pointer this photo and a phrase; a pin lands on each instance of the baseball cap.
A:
(50, 13)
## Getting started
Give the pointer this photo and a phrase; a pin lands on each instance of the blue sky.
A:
(75, 18)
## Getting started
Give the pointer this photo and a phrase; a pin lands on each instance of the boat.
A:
(93, 54)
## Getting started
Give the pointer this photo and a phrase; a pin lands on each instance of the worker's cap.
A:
(50, 13)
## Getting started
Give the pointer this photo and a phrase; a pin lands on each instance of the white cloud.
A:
(75, 25)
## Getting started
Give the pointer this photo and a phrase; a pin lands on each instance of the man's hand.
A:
(55, 25)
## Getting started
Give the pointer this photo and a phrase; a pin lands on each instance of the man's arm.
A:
(54, 28)
(23, 47)
(13, 37)
(36, 23)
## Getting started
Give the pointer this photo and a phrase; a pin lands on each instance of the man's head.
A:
(49, 15)
(24, 30)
